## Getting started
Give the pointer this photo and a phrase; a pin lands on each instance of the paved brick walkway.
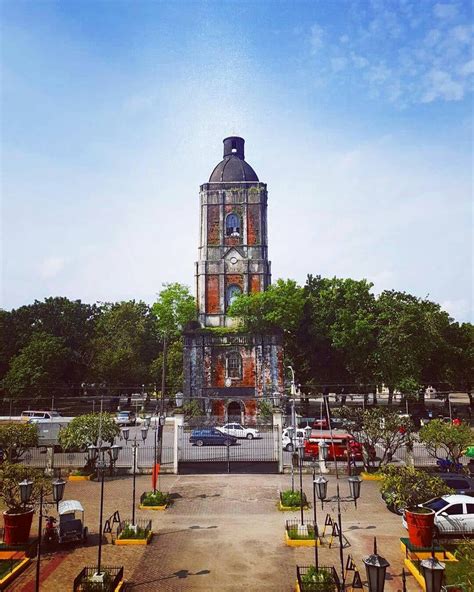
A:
(222, 533)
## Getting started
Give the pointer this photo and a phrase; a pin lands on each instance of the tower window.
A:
(234, 146)
(232, 292)
(234, 365)
(232, 225)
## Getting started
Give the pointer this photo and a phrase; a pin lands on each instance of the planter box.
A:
(125, 542)
(299, 542)
(295, 542)
(81, 477)
(142, 507)
(116, 578)
(370, 476)
(301, 571)
(16, 571)
(160, 507)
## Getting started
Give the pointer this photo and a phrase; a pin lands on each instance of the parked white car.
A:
(235, 429)
(290, 440)
(454, 514)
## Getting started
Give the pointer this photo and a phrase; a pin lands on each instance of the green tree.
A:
(446, 439)
(16, 438)
(92, 428)
(379, 429)
(71, 321)
(336, 338)
(411, 344)
(39, 369)
(125, 343)
(280, 306)
(174, 308)
(11, 475)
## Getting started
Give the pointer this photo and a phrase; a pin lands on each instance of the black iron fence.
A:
(85, 582)
(141, 526)
(298, 530)
(41, 458)
(311, 581)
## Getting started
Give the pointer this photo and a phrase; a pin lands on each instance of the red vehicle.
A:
(341, 445)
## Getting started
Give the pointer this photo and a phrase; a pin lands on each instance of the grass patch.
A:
(81, 472)
(292, 499)
(318, 581)
(7, 565)
(155, 499)
(296, 536)
(134, 533)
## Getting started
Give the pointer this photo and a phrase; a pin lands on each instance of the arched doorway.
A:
(234, 412)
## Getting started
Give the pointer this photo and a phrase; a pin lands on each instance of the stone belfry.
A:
(229, 371)
(233, 249)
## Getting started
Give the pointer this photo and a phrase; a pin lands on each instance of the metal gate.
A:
(256, 455)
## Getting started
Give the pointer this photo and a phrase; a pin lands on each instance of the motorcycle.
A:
(50, 535)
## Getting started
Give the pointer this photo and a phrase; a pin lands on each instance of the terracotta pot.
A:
(17, 527)
(420, 527)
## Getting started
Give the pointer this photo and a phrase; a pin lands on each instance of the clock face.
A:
(233, 260)
(228, 381)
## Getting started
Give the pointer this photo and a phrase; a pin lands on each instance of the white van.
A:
(32, 416)
(290, 440)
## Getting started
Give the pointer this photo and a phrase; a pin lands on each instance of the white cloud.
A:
(445, 11)
(51, 267)
(458, 308)
(467, 68)
(414, 58)
(338, 64)
(440, 84)
(316, 38)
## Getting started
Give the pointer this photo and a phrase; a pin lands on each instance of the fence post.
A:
(277, 430)
(178, 423)
(49, 469)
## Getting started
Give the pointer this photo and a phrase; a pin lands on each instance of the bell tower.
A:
(233, 249)
(228, 371)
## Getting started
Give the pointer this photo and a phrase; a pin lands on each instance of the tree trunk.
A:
(390, 395)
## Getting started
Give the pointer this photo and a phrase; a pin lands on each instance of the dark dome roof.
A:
(233, 168)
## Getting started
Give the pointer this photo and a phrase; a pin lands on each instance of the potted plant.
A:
(18, 516)
(404, 489)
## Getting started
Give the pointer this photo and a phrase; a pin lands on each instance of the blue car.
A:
(211, 436)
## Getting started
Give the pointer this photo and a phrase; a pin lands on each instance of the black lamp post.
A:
(354, 490)
(315, 519)
(433, 572)
(376, 567)
(26, 489)
(135, 445)
(97, 455)
(300, 448)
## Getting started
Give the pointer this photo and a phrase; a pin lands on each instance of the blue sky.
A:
(357, 114)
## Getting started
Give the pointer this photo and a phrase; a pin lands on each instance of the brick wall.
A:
(212, 294)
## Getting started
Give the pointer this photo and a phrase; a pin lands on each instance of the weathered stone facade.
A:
(231, 371)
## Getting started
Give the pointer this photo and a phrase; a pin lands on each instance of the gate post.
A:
(277, 430)
(178, 423)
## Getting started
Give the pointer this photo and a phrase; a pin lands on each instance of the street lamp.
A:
(433, 572)
(26, 490)
(375, 567)
(98, 455)
(300, 448)
(354, 490)
(135, 445)
(315, 519)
